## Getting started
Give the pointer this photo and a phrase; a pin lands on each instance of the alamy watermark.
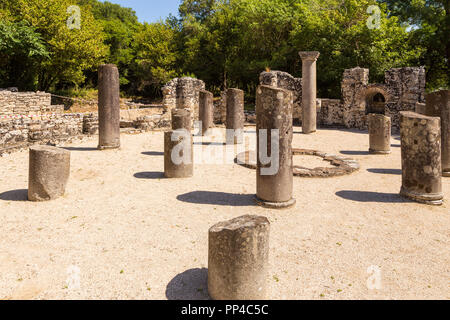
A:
(374, 21)
(74, 20)
(374, 281)
(210, 153)
(73, 280)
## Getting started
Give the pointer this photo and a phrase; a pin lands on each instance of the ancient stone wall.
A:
(330, 112)
(182, 93)
(26, 103)
(403, 88)
(284, 80)
(49, 129)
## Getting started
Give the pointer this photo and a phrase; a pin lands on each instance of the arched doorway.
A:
(375, 103)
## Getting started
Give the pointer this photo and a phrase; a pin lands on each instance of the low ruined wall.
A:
(50, 129)
(26, 103)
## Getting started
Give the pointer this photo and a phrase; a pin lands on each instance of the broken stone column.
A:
(235, 116)
(206, 110)
(178, 154)
(108, 107)
(309, 91)
(379, 134)
(438, 105)
(421, 158)
(181, 119)
(421, 108)
(274, 183)
(238, 259)
(49, 170)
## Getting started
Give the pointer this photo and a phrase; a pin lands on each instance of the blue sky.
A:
(150, 10)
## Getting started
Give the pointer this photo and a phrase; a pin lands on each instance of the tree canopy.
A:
(226, 43)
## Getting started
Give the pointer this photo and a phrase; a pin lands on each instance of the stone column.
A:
(421, 108)
(238, 259)
(421, 158)
(379, 134)
(178, 154)
(108, 107)
(274, 183)
(206, 110)
(438, 105)
(235, 116)
(309, 91)
(49, 170)
(181, 119)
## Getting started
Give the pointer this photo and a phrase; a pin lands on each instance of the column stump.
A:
(178, 154)
(421, 158)
(379, 134)
(238, 257)
(48, 173)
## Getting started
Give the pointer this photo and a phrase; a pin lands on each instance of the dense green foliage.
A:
(226, 43)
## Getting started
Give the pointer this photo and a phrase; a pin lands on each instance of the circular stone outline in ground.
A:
(342, 165)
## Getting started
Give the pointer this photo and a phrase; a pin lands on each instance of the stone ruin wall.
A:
(284, 80)
(27, 103)
(182, 93)
(402, 90)
(20, 133)
(28, 118)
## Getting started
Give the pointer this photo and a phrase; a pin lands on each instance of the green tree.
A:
(119, 26)
(155, 57)
(71, 51)
(429, 21)
(21, 51)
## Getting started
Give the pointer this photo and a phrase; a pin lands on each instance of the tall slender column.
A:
(206, 110)
(438, 105)
(235, 116)
(108, 107)
(274, 175)
(309, 91)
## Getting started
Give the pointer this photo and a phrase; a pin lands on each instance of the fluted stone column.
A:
(206, 110)
(379, 134)
(274, 183)
(235, 116)
(181, 119)
(108, 107)
(421, 158)
(178, 154)
(238, 259)
(309, 91)
(438, 105)
(48, 173)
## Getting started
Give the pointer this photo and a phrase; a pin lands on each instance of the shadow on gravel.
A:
(189, 285)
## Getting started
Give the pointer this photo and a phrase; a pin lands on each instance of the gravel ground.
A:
(128, 233)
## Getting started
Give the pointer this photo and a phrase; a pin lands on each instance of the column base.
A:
(275, 205)
(108, 147)
(379, 152)
(434, 200)
(446, 173)
(309, 132)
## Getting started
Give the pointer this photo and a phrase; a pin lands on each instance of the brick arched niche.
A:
(376, 99)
